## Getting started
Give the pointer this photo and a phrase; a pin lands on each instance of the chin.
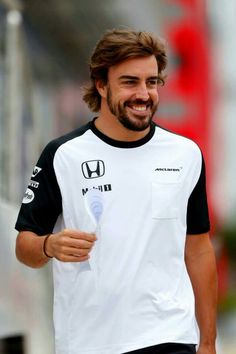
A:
(136, 124)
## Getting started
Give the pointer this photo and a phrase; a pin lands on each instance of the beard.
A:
(132, 122)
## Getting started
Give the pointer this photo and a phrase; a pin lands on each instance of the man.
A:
(130, 286)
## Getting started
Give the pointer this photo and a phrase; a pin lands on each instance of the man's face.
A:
(131, 92)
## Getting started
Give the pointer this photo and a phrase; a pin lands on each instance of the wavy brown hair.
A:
(116, 46)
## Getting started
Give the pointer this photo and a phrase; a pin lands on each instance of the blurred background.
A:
(44, 50)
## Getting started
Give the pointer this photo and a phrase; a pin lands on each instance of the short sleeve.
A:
(42, 203)
(197, 211)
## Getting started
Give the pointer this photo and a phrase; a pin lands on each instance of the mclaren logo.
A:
(168, 169)
(93, 168)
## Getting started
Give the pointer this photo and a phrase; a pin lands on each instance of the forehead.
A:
(139, 67)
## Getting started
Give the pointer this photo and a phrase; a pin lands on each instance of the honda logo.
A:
(93, 168)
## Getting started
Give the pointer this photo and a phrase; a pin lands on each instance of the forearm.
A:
(202, 271)
(205, 291)
(29, 249)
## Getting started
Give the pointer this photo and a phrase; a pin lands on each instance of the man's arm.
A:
(66, 246)
(201, 266)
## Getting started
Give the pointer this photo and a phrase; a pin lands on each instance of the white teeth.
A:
(140, 108)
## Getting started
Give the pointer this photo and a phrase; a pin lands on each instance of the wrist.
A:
(206, 349)
(45, 250)
(208, 340)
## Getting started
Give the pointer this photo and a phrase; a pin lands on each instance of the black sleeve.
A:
(42, 202)
(197, 212)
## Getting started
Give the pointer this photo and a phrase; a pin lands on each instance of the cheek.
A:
(122, 97)
(127, 95)
(155, 96)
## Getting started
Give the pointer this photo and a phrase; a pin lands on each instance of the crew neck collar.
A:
(120, 143)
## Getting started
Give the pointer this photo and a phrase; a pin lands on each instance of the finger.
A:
(74, 243)
(72, 258)
(80, 235)
(72, 251)
(83, 244)
(80, 244)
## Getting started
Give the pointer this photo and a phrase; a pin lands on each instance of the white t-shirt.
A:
(135, 291)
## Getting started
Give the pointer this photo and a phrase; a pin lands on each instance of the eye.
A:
(129, 82)
(152, 82)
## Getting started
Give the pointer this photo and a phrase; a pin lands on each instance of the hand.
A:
(206, 349)
(70, 245)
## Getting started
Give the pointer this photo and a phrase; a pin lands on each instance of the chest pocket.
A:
(165, 200)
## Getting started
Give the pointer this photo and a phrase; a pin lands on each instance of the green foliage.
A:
(228, 235)
(228, 238)
(228, 304)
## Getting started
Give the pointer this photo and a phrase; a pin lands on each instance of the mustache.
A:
(139, 101)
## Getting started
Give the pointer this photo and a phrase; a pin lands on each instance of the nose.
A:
(142, 92)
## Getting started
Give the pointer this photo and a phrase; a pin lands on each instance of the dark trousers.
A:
(167, 348)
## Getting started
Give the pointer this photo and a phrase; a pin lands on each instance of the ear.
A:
(102, 88)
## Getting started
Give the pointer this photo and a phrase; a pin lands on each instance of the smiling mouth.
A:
(139, 106)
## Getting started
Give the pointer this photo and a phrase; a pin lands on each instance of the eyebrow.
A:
(131, 77)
